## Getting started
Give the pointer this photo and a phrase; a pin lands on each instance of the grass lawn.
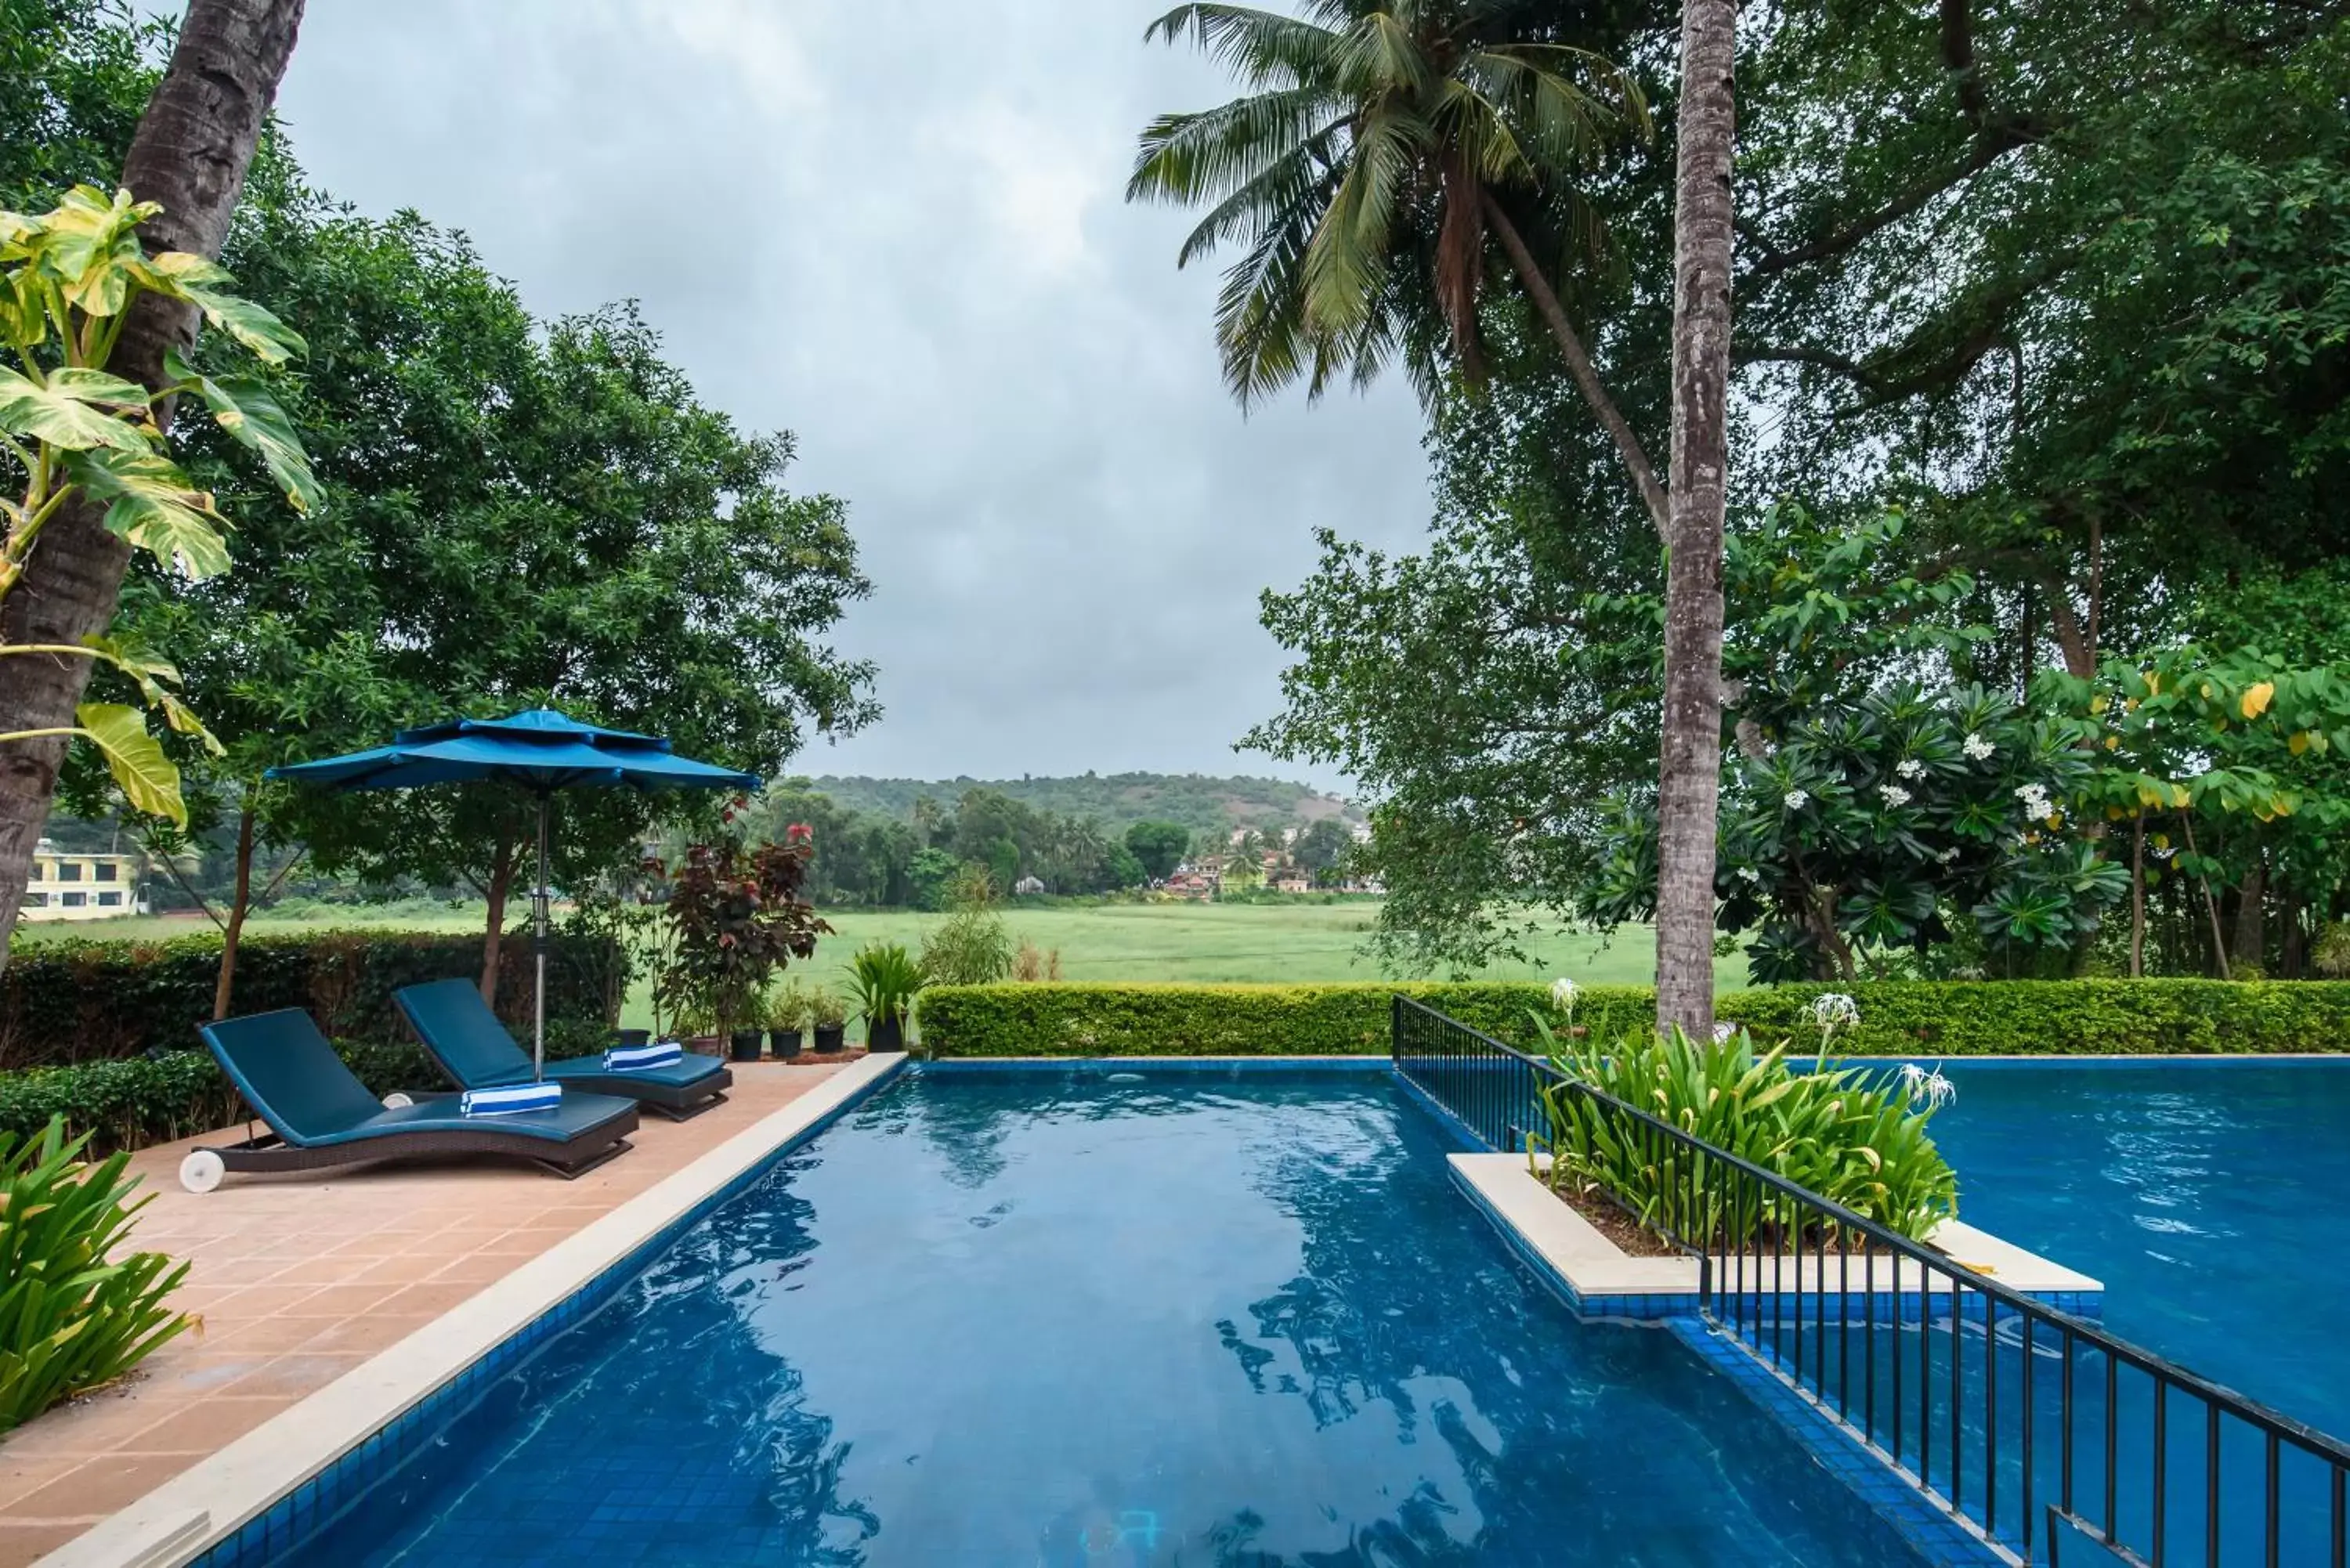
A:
(1195, 942)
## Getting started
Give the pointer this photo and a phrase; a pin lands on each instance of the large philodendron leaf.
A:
(151, 503)
(90, 245)
(251, 412)
(77, 410)
(155, 677)
(202, 285)
(149, 781)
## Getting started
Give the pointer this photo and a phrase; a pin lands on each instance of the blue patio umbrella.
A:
(542, 750)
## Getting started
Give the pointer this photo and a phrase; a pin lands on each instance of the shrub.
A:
(1845, 1134)
(886, 980)
(75, 1313)
(1897, 1018)
(970, 947)
(73, 1000)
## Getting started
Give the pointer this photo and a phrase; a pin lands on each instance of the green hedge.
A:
(176, 1094)
(73, 1001)
(2090, 1017)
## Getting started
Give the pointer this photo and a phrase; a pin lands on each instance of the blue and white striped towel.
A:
(511, 1100)
(637, 1058)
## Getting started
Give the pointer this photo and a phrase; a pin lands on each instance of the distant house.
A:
(1187, 881)
(73, 887)
(1294, 882)
(1027, 887)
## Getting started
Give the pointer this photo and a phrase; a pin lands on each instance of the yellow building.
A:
(67, 886)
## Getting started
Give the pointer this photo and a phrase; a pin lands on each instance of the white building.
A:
(74, 887)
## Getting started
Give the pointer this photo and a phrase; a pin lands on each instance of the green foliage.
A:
(1198, 803)
(1159, 846)
(886, 980)
(1848, 1135)
(77, 1311)
(827, 1009)
(75, 1000)
(84, 437)
(972, 946)
(1898, 1018)
(788, 1006)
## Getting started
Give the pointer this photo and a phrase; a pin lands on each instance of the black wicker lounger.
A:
(319, 1114)
(467, 1038)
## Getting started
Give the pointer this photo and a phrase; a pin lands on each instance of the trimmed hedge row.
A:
(1897, 1018)
(74, 1001)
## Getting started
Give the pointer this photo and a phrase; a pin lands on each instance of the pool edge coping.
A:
(211, 1501)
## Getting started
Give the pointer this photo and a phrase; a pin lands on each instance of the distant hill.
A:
(1199, 802)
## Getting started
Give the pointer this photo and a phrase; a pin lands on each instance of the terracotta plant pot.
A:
(785, 1042)
(828, 1038)
(890, 1034)
(746, 1044)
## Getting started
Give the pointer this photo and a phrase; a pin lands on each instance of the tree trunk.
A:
(190, 153)
(233, 931)
(1689, 774)
(2252, 945)
(2137, 900)
(502, 875)
(1578, 365)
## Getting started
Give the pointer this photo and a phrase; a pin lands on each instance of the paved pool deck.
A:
(297, 1280)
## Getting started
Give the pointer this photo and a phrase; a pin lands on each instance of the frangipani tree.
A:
(74, 429)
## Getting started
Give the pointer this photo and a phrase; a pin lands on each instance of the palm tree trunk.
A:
(190, 153)
(1578, 365)
(1689, 774)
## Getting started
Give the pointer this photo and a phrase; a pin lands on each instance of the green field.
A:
(1198, 942)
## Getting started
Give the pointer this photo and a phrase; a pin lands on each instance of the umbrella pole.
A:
(538, 913)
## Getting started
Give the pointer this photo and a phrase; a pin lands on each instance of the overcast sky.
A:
(898, 230)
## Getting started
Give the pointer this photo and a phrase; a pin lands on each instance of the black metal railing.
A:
(2026, 1423)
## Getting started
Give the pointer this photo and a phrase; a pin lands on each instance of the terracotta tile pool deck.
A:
(297, 1280)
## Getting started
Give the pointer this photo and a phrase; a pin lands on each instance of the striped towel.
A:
(637, 1058)
(511, 1100)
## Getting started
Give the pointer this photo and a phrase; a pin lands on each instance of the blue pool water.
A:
(1031, 1320)
(2210, 1197)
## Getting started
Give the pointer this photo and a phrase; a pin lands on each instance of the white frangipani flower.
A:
(1748, 874)
(1978, 748)
(1910, 768)
(1895, 796)
(1947, 855)
(1797, 799)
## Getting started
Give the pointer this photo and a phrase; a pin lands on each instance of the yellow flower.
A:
(2256, 699)
(2099, 704)
(2299, 744)
(2112, 742)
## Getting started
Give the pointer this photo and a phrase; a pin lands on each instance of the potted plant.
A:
(886, 978)
(787, 1016)
(736, 916)
(828, 1011)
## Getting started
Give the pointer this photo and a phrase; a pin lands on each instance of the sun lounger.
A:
(467, 1038)
(319, 1114)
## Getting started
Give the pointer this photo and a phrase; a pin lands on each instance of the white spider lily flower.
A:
(1561, 992)
(1925, 1087)
(1835, 1010)
(1723, 1033)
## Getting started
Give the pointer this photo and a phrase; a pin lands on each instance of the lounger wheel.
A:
(202, 1171)
(398, 1100)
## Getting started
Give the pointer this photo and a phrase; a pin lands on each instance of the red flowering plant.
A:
(736, 916)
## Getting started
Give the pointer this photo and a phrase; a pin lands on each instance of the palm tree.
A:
(191, 152)
(1381, 144)
(1689, 766)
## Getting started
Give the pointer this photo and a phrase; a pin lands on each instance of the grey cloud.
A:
(898, 230)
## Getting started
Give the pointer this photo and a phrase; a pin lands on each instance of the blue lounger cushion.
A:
(458, 1027)
(289, 1074)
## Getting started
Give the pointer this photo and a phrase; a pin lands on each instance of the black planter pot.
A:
(828, 1037)
(744, 1045)
(628, 1037)
(785, 1043)
(889, 1034)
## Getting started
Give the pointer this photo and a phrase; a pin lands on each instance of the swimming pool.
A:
(1070, 1318)
(2209, 1196)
